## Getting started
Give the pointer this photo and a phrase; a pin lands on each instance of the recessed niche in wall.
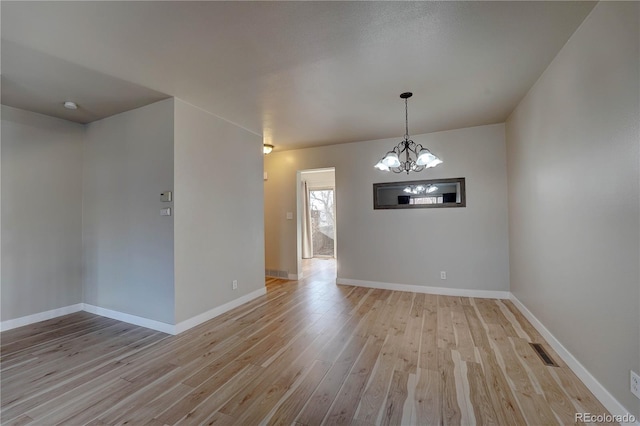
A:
(433, 193)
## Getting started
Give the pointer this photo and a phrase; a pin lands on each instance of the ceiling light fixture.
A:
(267, 148)
(70, 105)
(424, 159)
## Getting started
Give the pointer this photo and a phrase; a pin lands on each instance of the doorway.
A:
(317, 234)
(323, 227)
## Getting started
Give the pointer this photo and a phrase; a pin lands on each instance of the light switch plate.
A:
(165, 211)
(165, 196)
(635, 384)
(289, 215)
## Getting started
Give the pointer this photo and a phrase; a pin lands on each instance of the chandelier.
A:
(408, 150)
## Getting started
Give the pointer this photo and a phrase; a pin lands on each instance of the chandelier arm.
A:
(411, 146)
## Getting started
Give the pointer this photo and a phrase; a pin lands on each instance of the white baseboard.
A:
(295, 277)
(131, 319)
(40, 316)
(212, 313)
(484, 294)
(600, 392)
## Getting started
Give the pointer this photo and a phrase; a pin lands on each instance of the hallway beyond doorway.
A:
(319, 268)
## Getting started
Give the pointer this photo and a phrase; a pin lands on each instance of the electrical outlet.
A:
(235, 284)
(443, 275)
(635, 383)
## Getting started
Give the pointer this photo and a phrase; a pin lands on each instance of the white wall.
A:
(128, 246)
(41, 213)
(574, 196)
(219, 211)
(403, 246)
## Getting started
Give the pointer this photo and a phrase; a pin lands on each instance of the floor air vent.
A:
(276, 273)
(544, 356)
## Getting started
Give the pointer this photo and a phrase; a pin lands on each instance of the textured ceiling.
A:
(298, 73)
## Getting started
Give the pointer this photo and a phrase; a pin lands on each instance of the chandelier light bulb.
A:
(424, 157)
(434, 162)
(391, 160)
(381, 166)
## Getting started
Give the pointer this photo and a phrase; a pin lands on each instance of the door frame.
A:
(299, 210)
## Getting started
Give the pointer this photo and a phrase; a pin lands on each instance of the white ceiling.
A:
(38, 82)
(298, 73)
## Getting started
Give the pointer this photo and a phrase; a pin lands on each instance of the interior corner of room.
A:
(95, 207)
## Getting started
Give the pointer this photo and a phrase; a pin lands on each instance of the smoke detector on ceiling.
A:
(70, 105)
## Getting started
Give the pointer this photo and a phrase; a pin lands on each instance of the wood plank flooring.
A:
(309, 352)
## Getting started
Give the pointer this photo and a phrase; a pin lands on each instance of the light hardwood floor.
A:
(308, 352)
